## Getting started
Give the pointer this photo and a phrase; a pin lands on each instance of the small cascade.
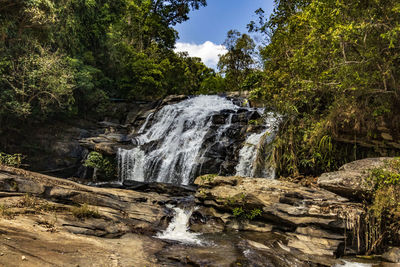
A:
(248, 155)
(141, 130)
(130, 165)
(178, 229)
(184, 140)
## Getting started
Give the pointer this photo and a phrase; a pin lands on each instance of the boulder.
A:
(123, 209)
(351, 180)
(392, 255)
(173, 99)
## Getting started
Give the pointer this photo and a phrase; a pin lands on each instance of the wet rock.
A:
(218, 119)
(254, 115)
(202, 221)
(161, 188)
(352, 178)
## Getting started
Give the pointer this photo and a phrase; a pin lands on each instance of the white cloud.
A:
(208, 51)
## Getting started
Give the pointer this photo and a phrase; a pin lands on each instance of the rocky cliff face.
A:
(60, 148)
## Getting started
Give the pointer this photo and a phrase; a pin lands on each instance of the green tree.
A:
(70, 56)
(331, 70)
(238, 62)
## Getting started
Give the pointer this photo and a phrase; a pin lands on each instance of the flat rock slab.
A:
(38, 226)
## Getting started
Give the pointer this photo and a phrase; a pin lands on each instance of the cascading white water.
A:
(141, 130)
(178, 229)
(131, 160)
(247, 166)
(353, 264)
(179, 130)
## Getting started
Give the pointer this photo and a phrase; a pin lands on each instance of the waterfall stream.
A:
(177, 230)
(248, 155)
(187, 139)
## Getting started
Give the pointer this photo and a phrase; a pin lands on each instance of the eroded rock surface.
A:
(38, 222)
(314, 220)
(296, 226)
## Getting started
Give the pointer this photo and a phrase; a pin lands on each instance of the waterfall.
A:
(248, 155)
(178, 228)
(200, 135)
(171, 149)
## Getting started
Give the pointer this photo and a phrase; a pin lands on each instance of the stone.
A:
(313, 220)
(173, 99)
(351, 180)
(392, 255)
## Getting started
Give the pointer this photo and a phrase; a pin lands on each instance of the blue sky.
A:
(203, 34)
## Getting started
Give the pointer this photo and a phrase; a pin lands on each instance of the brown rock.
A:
(315, 219)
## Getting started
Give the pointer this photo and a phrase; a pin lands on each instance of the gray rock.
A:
(352, 178)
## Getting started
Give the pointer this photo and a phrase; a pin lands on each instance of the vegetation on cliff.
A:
(383, 213)
(331, 67)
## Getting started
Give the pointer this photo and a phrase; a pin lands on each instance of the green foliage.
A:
(14, 160)
(36, 83)
(255, 122)
(238, 62)
(97, 161)
(85, 211)
(67, 58)
(240, 213)
(240, 208)
(208, 177)
(327, 68)
(253, 213)
(383, 213)
(384, 177)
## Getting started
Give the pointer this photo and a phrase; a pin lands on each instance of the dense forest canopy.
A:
(70, 56)
(332, 68)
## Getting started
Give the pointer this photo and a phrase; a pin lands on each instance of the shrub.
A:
(383, 213)
(97, 161)
(84, 211)
(13, 160)
(208, 177)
